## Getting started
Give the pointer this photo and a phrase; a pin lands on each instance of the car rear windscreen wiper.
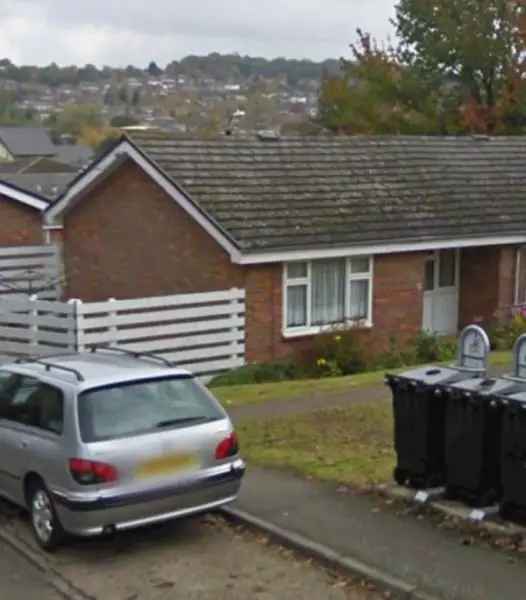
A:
(170, 422)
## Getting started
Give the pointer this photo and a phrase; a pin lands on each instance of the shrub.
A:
(337, 353)
(503, 335)
(430, 347)
(259, 373)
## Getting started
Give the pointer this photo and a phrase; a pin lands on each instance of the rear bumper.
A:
(88, 515)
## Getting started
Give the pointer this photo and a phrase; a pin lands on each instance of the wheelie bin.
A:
(419, 411)
(513, 446)
(473, 438)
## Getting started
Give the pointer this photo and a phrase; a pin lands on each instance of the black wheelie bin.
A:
(513, 446)
(473, 437)
(419, 414)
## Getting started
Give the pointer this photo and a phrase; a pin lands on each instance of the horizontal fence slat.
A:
(159, 316)
(30, 336)
(178, 329)
(177, 343)
(28, 250)
(214, 366)
(29, 262)
(44, 274)
(161, 301)
(6, 304)
(47, 320)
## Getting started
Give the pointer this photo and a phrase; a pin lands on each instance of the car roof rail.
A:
(133, 354)
(49, 366)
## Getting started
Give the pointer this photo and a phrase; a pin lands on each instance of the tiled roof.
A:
(27, 141)
(48, 186)
(321, 192)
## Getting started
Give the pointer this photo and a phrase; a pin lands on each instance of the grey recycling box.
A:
(419, 411)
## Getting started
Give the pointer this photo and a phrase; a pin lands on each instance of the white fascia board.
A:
(158, 176)
(295, 255)
(23, 197)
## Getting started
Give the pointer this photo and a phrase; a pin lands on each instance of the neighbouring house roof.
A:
(46, 185)
(77, 155)
(27, 141)
(11, 191)
(46, 177)
(296, 194)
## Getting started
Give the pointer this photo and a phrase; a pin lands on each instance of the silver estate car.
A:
(104, 441)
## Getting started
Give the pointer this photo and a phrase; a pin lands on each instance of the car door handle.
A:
(24, 444)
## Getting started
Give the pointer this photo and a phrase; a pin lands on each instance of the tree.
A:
(154, 70)
(477, 44)
(376, 94)
(77, 117)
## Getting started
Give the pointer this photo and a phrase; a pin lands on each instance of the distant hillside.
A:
(223, 68)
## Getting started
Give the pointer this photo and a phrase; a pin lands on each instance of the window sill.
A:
(311, 331)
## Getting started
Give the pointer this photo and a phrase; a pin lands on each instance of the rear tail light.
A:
(88, 472)
(227, 447)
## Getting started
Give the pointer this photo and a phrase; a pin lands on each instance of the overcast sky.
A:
(122, 32)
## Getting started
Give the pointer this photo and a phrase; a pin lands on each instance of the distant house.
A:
(25, 142)
(390, 235)
(21, 143)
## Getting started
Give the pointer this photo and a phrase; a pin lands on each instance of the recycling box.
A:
(420, 411)
(513, 446)
(474, 411)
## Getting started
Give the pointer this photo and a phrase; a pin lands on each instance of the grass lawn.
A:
(352, 446)
(241, 395)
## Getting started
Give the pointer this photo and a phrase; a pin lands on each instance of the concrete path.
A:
(19, 580)
(361, 527)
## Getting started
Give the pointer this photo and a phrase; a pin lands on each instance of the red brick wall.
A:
(129, 239)
(487, 284)
(397, 307)
(21, 225)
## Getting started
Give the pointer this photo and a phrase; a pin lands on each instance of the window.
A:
(138, 408)
(448, 268)
(30, 402)
(327, 292)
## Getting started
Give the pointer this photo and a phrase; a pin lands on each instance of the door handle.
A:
(24, 444)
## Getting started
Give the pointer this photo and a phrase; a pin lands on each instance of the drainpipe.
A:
(517, 275)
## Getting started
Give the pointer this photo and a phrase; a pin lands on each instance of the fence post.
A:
(113, 328)
(33, 328)
(235, 302)
(78, 319)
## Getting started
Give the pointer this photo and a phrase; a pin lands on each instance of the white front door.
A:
(441, 294)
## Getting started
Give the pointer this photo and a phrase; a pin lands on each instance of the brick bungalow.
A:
(391, 234)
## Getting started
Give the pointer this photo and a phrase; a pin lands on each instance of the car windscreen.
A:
(137, 408)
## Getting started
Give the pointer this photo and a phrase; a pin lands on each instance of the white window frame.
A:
(310, 329)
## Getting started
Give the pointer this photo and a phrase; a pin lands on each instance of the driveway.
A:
(202, 558)
(20, 580)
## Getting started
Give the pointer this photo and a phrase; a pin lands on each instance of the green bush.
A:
(430, 347)
(259, 373)
(503, 335)
(337, 353)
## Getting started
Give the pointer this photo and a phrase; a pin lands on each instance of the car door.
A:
(8, 384)
(33, 429)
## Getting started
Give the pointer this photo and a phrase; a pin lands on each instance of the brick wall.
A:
(129, 239)
(20, 224)
(487, 284)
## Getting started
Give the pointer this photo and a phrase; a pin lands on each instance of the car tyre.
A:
(47, 529)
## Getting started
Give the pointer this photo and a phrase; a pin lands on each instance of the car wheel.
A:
(44, 520)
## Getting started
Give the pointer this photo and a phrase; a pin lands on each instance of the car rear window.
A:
(137, 408)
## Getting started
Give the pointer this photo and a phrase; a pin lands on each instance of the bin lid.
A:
(484, 386)
(433, 375)
(473, 349)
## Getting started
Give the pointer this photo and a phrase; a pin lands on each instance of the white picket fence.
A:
(26, 270)
(204, 333)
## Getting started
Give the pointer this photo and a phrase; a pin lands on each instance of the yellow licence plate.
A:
(167, 465)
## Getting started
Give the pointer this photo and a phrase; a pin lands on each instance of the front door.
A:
(441, 294)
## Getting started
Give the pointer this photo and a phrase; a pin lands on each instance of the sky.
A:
(122, 32)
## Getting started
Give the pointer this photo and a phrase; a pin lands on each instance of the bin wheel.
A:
(400, 476)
